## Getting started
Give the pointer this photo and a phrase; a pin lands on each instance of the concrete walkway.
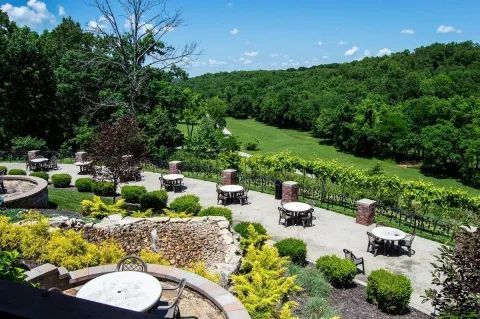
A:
(330, 234)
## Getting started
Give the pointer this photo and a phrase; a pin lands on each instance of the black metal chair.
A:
(374, 244)
(55, 290)
(221, 197)
(170, 310)
(131, 263)
(407, 243)
(284, 215)
(306, 218)
(243, 197)
(52, 163)
(357, 261)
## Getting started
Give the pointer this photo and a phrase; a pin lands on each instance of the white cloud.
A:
(367, 53)
(384, 51)
(351, 51)
(251, 53)
(319, 43)
(33, 14)
(340, 43)
(447, 29)
(245, 60)
(216, 62)
(61, 11)
(274, 55)
(234, 31)
(324, 57)
(407, 31)
(100, 23)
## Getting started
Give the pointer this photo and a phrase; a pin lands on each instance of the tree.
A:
(207, 140)
(216, 109)
(119, 148)
(142, 45)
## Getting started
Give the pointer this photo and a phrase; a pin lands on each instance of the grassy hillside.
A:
(273, 140)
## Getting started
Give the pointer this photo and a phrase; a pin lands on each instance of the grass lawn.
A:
(69, 198)
(303, 144)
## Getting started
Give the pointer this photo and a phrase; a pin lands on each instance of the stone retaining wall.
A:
(37, 197)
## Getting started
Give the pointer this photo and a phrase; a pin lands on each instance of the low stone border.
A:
(34, 198)
(48, 275)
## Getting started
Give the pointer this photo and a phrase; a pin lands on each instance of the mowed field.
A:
(303, 144)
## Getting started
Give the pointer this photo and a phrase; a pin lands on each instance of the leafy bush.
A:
(98, 209)
(84, 184)
(294, 248)
(8, 269)
(156, 200)
(251, 145)
(389, 291)
(27, 143)
(17, 171)
(3, 169)
(61, 180)
(217, 211)
(242, 228)
(132, 193)
(152, 257)
(43, 175)
(254, 238)
(200, 269)
(104, 188)
(189, 204)
(338, 271)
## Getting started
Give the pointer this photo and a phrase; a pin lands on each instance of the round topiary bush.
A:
(189, 204)
(217, 211)
(156, 200)
(294, 248)
(61, 180)
(103, 188)
(43, 175)
(242, 229)
(84, 184)
(391, 292)
(3, 169)
(17, 171)
(132, 193)
(338, 271)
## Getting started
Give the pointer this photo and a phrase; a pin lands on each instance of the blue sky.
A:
(268, 34)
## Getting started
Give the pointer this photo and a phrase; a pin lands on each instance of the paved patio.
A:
(330, 234)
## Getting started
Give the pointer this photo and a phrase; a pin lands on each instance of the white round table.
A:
(388, 233)
(39, 160)
(297, 207)
(231, 188)
(131, 290)
(173, 177)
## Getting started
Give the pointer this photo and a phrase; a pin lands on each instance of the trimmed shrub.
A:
(61, 180)
(294, 248)
(103, 188)
(391, 292)
(43, 175)
(189, 204)
(338, 271)
(98, 209)
(156, 200)
(251, 145)
(17, 171)
(242, 229)
(132, 193)
(84, 185)
(3, 169)
(217, 211)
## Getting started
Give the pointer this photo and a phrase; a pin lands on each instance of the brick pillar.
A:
(229, 177)
(80, 157)
(33, 154)
(366, 211)
(290, 191)
(175, 167)
(463, 235)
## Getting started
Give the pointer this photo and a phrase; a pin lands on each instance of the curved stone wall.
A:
(37, 197)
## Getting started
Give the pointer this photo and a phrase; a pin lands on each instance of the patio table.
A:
(83, 165)
(130, 290)
(297, 207)
(172, 177)
(38, 162)
(232, 190)
(389, 235)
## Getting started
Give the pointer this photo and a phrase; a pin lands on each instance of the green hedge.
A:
(189, 204)
(84, 185)
(3, 169)
(17, 171)
(294, 248)
(61, 180)
(242, 228)
(132, 193)
(217, 211)
(391, 292)
(156, 200)
(338, 271)
(43, 175)
(104, 188)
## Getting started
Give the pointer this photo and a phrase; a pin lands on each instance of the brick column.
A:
(80, 157)
(33, 154)
(230, 177)
(462, 237)
(366, 211)
(290, 191)
(175, 167)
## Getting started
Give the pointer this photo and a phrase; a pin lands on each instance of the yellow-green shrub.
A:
(200, 269)
(109, 252)
(10, 234)
(152, 257)
(98, 209)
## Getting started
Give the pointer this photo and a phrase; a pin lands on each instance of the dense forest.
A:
(411, 106)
